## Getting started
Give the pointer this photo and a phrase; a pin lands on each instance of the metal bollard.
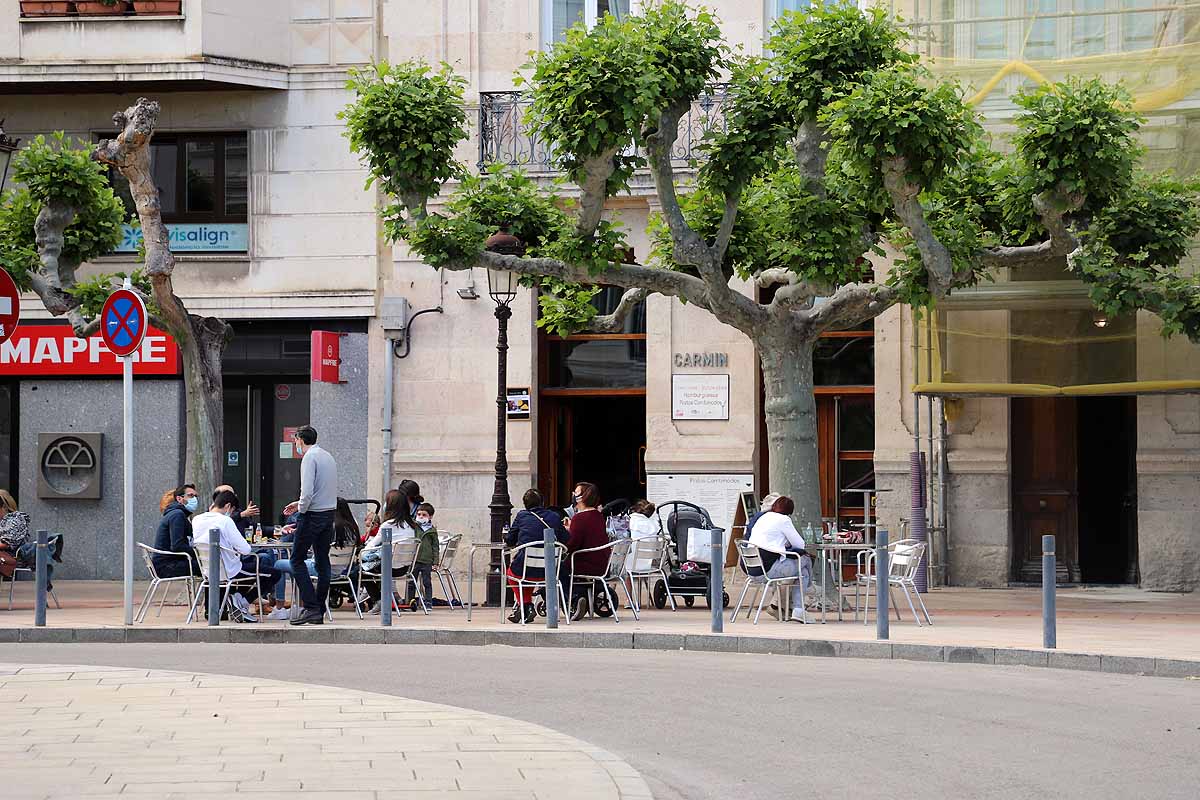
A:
(214, 576)
(716, 581)
(881, 584)
(1049, 612)
(386, 589)
(39, 574)
(550, 544)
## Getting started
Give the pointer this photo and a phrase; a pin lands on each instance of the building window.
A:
(777, 7)
(558, 16)
(203, 181)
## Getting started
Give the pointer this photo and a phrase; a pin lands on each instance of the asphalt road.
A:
(701, 725)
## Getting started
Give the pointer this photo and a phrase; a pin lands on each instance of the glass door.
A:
(261, 463)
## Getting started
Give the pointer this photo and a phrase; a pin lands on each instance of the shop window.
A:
(844, 360)
(559, 16)
(203, 182)
(589, 361)
(8, 436)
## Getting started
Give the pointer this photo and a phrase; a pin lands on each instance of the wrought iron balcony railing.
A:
(504, 137)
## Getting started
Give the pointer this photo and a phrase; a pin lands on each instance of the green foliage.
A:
(405, 122)
(757, 125)
(900, 112)
(1078, 137)
(595, 91)
(92, 293)
(505, 197)
(821, 53)
(565, 308)
(54, 169)
(1132, 249)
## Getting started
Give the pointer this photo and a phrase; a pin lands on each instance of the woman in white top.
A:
(397, 519)
(642, 525)
(774, 534)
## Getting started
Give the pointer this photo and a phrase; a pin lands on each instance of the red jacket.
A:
(587, 531)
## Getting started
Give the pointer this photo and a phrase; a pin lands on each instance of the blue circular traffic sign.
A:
(123, 322)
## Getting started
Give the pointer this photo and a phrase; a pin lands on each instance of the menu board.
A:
(718, 494)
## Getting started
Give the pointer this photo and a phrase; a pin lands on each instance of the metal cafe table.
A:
(837, 550)
(490, 547)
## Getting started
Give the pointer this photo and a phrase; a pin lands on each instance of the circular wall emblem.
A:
(69, 465)
(282, 391)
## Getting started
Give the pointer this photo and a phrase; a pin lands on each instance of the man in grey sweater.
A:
(314, 528)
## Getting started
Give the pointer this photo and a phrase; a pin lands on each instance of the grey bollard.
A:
(214, 576)
(716, 581)
(1049, 612)
(550, 545)
(386, 589)
(39, 574)
(881, 584)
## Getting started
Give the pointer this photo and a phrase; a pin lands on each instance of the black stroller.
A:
(687, 579)
(339, 593)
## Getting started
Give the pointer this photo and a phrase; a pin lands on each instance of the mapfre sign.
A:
(54, 350)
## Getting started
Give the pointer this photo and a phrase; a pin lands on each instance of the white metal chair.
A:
(654, 552)
(904, 559)
(157, 582)
(340, 562)
(404, 562)
(448, 545)
(756, 575)
(614, 572)
(30, 570)
(225, 584)
(533, 556)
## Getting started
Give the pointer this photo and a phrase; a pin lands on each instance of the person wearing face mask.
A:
(427, 554)
(174, 533)
(243, 517)
(314, 526)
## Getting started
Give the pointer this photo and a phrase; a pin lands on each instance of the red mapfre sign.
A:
(326, 356)
(54, 350)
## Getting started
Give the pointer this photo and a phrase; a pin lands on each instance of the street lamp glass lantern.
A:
(502, 286)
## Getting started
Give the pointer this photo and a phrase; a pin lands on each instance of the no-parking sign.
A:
(123, 322)
(10, 306)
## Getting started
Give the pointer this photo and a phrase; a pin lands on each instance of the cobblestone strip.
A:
(91, 732)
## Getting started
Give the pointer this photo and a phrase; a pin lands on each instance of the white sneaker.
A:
(801, 616)
(279, 613)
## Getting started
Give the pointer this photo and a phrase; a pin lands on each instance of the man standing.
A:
(314, 527)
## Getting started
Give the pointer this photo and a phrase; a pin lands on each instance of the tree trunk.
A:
(201, 350)
(791, 417)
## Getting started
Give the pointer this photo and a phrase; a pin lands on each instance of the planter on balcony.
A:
(90, 8)
(160, 7)
(45, 8)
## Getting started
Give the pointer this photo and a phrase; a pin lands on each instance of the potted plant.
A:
(98, 7)
(160, 7)
(45, 8)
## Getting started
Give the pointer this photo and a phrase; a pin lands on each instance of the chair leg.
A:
(354, 590)
(892, 600)
(741, 597)
(144, 606)
(11, 583)
(454, 587)
(867, 599)
(670, 596)
(762, 598)
(195, 602)
(908, 597)
(632, 606)
(923, 608)
(442, 583)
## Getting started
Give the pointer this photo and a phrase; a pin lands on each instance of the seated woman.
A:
(587, 531)
(773, 534)
(16, 538)
(398, 520)
(529, 526)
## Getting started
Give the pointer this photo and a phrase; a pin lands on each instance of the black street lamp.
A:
(8, 146)
(502, 287)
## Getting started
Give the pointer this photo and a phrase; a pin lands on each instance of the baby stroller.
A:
(687, 578)
(340, 590)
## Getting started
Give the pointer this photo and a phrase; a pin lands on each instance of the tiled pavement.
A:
(79, 732)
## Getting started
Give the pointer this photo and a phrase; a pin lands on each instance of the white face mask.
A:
(424, 521)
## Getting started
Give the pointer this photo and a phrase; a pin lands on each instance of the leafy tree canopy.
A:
(833, 145)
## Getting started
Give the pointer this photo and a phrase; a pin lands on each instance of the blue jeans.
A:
(787, 567)
(314, 530)
(27, 557)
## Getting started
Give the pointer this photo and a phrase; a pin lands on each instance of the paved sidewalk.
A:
(79, 732)
(1115, 621)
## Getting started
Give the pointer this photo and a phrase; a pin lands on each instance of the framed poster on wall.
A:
(699, 396)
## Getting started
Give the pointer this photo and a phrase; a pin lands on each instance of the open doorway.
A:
(596, 439)
(1108, 489)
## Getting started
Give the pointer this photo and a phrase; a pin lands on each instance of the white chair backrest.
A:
(448, 549)
(404, 553)
(202, 557)
(616, 558)
(535, 557)
(648, 550)
(147, 551)
(340, 559)
(751, 558)
(904, 558)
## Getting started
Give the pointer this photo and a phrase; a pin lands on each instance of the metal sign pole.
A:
(127, 447)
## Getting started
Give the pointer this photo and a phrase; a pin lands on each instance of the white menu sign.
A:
(699, 396)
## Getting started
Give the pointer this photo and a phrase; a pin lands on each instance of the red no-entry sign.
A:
(10, 306)
(123, 322)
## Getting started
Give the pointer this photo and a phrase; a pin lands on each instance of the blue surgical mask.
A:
(191, 504)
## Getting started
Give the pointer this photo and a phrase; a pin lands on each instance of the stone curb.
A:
(537, 636)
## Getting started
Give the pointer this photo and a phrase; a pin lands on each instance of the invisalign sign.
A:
(205, 237)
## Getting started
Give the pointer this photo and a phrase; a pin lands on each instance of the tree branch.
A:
(728, 220)
(593, 192)
(934, 255)
(615, 322)
(1052, 208)
(851, 305)
(809, 148)
(690, 248)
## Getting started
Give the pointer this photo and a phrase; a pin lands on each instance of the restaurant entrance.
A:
(260, 460)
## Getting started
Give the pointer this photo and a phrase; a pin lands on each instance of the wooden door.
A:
(556, 449)
(1045, 485)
